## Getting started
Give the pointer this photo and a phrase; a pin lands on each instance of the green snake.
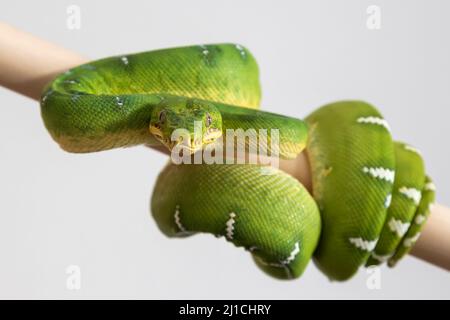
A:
(370, 194)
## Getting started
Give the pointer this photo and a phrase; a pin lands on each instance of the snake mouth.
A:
(211, 135)
(190, 145)
(157, 133)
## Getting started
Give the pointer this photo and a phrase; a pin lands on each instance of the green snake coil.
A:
(370, 195)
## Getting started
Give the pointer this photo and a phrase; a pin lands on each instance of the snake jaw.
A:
(191, 146)
(211, 135)
(156, 132)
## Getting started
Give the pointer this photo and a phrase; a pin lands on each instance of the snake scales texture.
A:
(370, 194)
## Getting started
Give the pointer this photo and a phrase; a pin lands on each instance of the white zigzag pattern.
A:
(420, 219)
(230, 226)
(292, 255)
(375, 120)
(430, 206)
(277, 265)
(380, 173)
(124, 60)
(411, 193)
(366, 245)
(430, 186)
(388, 201)
(412, 149)
(381, 258)
(177, 219)
(408, 242)
(398, 227)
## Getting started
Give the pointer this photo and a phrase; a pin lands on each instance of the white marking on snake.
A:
(412, 149)
(292, 255)
(119, 101)
(408, 242)
(375, 120)
(288, 272)
(388, 201)
(381, 258)
(205, 50)
(411, 193)
(71, 81)
(230, 226)
(252, 248)
(278, 265)
(430, 186)
(45, 97)
(124, 60)
(240, 49)
(366, 245)
(271, 264)
(420, 219)
(398, 227)
(75, 96)
(380, 173)
(178, 220)
(430, 207)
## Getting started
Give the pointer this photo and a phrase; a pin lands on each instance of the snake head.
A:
(187, 122)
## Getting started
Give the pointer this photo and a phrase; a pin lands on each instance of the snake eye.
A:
(162, 116)
(208, 120)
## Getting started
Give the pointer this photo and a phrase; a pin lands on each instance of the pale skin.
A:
(28, 63)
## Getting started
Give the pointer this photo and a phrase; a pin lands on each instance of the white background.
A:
(59, 209)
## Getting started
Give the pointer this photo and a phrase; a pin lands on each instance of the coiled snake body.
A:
(370, 194)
